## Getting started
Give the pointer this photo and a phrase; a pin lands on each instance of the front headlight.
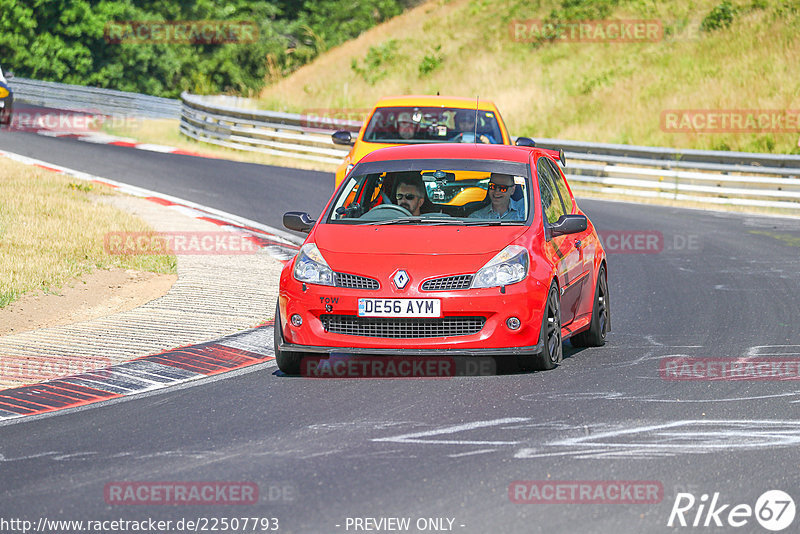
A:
(509, 266)
(311, 267)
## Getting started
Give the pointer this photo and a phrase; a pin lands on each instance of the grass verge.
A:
(52, 230)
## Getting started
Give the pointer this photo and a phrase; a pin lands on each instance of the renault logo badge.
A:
(400, 279)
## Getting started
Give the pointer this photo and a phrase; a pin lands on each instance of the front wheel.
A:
(549, 336)
(596, 335)
(288, 362)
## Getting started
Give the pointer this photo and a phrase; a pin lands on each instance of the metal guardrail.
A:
(269, 132)
(680, 157)
(93, 99)
(714, 177)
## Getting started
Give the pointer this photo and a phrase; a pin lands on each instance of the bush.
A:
(377, 57)
(64, 41)
(719, 17)
(431, 61)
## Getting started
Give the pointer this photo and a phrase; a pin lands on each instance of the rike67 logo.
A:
(774, 510)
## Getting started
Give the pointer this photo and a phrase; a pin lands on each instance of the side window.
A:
(551, 203)
(346, 199)
(561, 184)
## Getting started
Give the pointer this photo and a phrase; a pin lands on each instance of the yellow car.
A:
(403, 120)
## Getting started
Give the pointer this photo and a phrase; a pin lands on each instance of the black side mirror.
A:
(525, 141)
(561, 157)
(569, 224)
(299, 221)
(342, 137)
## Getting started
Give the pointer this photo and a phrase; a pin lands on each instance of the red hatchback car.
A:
(397, 264)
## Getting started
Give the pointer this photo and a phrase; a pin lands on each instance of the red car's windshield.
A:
(435, 195)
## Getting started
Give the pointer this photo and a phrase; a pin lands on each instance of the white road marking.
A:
(415, 436)
(618, 395)
(670, 439)
(155, 148)
(778, 350)
(472, 453)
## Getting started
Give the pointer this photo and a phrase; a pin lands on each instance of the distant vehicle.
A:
(413, 119)
(6, 99)
(385, 271)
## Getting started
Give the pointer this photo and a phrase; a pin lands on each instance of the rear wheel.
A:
(288, 362)
(549, 336)
(596, 335)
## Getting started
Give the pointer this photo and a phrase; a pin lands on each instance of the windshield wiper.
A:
(493, 222)
(429, 221)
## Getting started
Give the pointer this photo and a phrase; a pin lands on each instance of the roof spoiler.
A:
(556, 155)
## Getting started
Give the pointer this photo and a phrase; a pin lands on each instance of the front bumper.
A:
(508, 351)
(524, 301)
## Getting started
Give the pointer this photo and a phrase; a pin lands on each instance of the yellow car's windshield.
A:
(406, 125)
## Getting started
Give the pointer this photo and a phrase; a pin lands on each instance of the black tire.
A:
(601, 316)
(288, 362)
(7, 114)
(549, 335)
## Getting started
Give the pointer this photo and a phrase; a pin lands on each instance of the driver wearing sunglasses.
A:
(410, 194)
(500, 205)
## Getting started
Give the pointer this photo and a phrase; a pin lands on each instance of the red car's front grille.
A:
(354, 281)
(448, 283)
(402, 328)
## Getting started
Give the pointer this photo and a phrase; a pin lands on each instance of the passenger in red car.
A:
(500, 205)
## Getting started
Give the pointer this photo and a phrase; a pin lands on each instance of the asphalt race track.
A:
(321, 451)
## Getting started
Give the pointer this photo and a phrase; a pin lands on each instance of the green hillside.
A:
(740, 55)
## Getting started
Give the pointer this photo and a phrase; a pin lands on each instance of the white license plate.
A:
(399, 308)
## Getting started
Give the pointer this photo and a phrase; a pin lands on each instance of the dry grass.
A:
(605, 92)
(52, 228)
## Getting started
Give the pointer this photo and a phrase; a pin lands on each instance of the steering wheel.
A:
(388, 207)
